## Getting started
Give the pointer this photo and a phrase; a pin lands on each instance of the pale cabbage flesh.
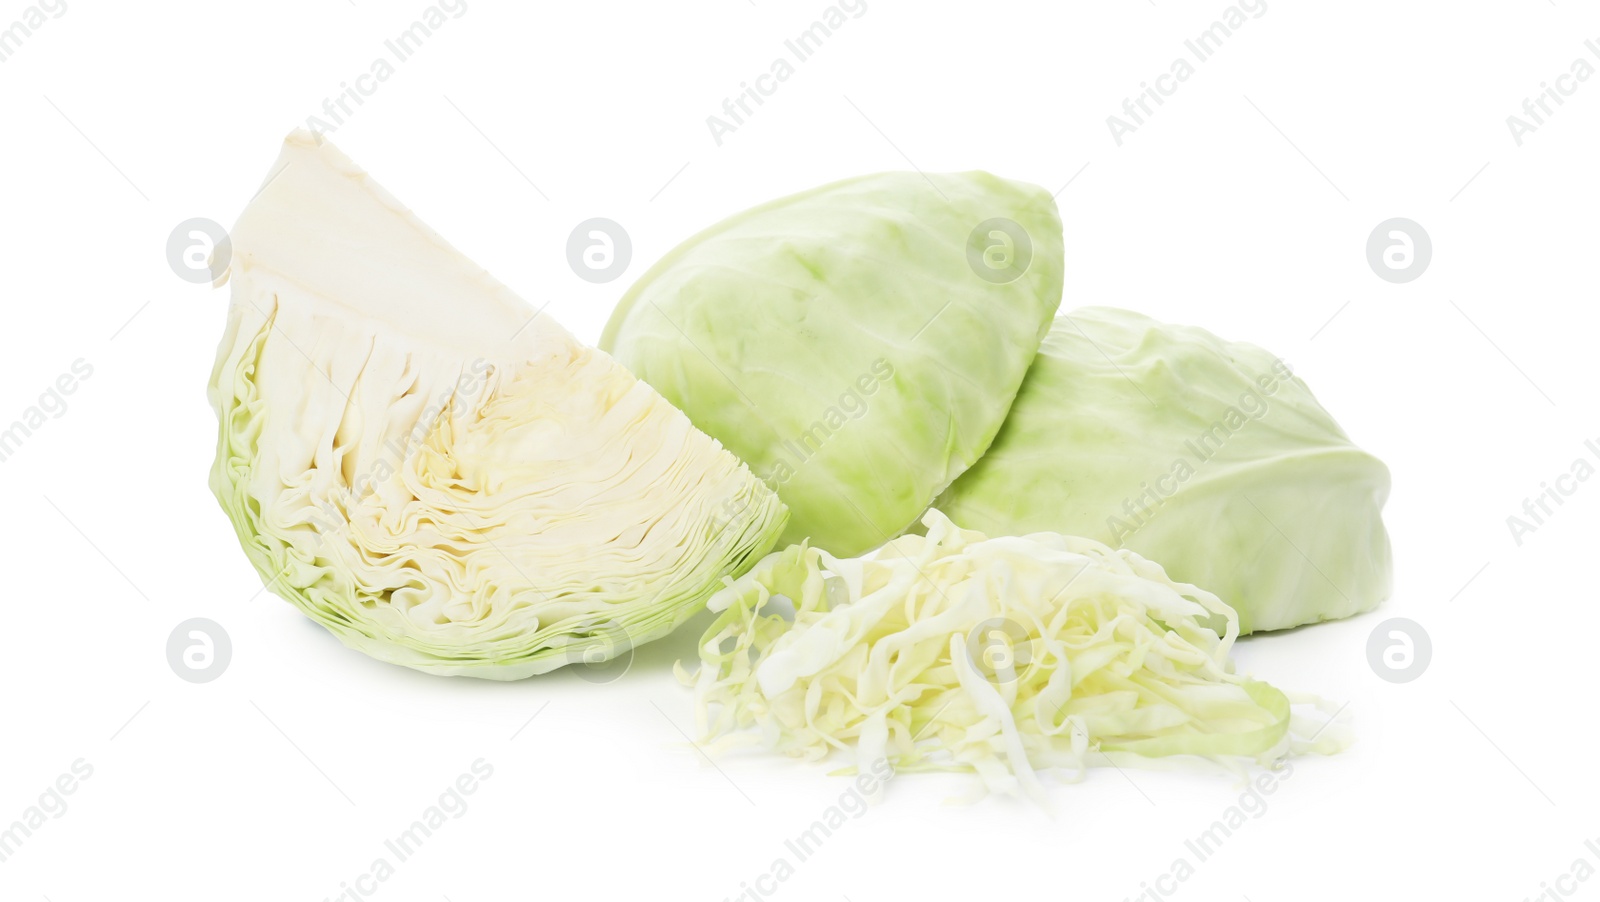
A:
(440, 475)
(997, 656)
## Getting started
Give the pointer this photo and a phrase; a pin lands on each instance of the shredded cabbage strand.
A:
(998, 656)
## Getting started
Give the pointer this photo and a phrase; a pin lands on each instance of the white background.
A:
(1243, 205)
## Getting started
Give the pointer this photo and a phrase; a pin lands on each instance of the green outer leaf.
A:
(852, 306)
(1282, 520)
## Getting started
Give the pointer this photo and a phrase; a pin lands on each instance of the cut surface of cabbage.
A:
(434, 471)
(998, 656)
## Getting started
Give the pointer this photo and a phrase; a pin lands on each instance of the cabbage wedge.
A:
(857, 344)
(436, 472)
(1209, 456)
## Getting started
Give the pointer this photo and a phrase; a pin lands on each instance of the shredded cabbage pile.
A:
(954, 651)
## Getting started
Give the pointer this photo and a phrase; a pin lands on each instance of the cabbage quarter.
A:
(437, 473)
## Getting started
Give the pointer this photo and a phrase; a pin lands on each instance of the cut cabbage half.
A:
(1207, 455)
(857, 344)
(1003, 656)
(436, 472)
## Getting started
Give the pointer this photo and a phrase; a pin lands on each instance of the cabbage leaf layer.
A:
(437, 473)
(858, 344)
(1206, 455)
